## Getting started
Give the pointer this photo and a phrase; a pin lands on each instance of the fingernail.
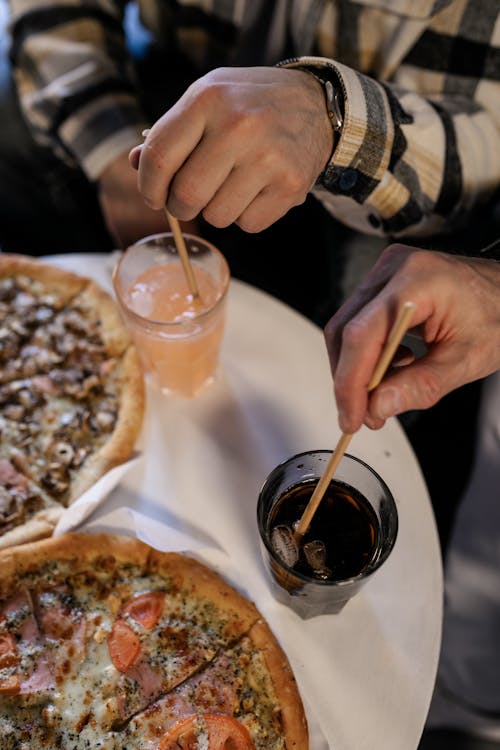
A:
(146, 132)
(389, 402)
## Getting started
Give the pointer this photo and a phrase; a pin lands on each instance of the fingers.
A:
(356, 335)
(167, 145)
(242, 145)
(457, 311)
(362, 341)
(374, 282)
(416, 386)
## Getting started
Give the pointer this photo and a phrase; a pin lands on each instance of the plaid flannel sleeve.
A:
(406, 164)
(75, 85)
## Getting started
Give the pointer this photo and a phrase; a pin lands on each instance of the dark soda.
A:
(345, 526)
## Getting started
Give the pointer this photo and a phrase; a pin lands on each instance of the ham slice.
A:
(32, 672)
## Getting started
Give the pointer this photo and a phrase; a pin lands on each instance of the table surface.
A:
(366, 674)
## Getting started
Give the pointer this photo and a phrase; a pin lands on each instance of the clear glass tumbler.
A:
(354, 530)
(178, 336)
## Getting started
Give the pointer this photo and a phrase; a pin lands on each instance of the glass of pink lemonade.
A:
(178, 336)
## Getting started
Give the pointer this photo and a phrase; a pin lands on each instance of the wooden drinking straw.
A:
(181, 247)
(183, 254)
(398, 330)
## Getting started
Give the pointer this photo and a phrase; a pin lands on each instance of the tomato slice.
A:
(145, 608)
(124, 645)
(10, 685)
(8, 650)
(224, 733)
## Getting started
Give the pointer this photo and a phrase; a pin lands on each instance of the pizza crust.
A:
(126, 378)
(40, 526)
(119, 446)
(98, 302)
(64, 284)
(292, 715)
(59, 559)
(80, 551)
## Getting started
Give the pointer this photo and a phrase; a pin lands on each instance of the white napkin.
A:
(93, 497)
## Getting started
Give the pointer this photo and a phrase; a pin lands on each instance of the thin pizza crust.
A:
(293, 720)
(40, 526)
(64, 284)
(77, 553)
(119, 446)
(127, 376)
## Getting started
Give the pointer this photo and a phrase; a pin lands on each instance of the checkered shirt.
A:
(420, 144)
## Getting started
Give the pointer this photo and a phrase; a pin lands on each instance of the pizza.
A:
(107, 643)
(71, 393)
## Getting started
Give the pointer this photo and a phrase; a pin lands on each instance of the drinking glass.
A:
(326, 591)
(178, 336)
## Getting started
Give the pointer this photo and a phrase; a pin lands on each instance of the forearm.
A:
(75, 88)
(405, 165)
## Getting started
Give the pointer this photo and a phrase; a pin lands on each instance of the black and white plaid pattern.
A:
(420, 146)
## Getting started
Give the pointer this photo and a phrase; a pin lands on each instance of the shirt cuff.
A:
(98, 133)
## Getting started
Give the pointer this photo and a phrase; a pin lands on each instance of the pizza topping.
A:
(18, 499)
(9, 477)
(8, 651)
(10, 684)
(41, 679)
(145, 609)
(96, 651)
(63, 453)
(124, 645)
(57, 479)
(28, 669)
(210, 731)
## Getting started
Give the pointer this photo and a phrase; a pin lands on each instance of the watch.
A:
(332, 99)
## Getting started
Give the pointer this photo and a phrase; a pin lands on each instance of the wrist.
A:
(334, 103)
(332, 90)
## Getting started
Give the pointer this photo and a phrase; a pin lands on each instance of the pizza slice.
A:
(246, 697)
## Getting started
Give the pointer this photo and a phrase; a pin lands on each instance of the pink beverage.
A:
(178, 337)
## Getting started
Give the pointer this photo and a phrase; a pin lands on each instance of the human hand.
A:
(126, 215)
(242, 145)
(457, 314)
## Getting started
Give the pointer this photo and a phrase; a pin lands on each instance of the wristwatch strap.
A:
(332, 99)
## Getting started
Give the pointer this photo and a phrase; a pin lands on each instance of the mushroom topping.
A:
(14, 412)
(74, 321)
(43, 314)
(63, 453)
(18, 328)
(9, 343)
(8, 289)
(56, 479)
(104, 420)
(28, 399)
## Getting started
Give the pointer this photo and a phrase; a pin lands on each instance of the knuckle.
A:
(430, 389)
(417, 259)
(216, 217)
(186, 195)
(294, 182)
(251, 224)
(354, 332)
